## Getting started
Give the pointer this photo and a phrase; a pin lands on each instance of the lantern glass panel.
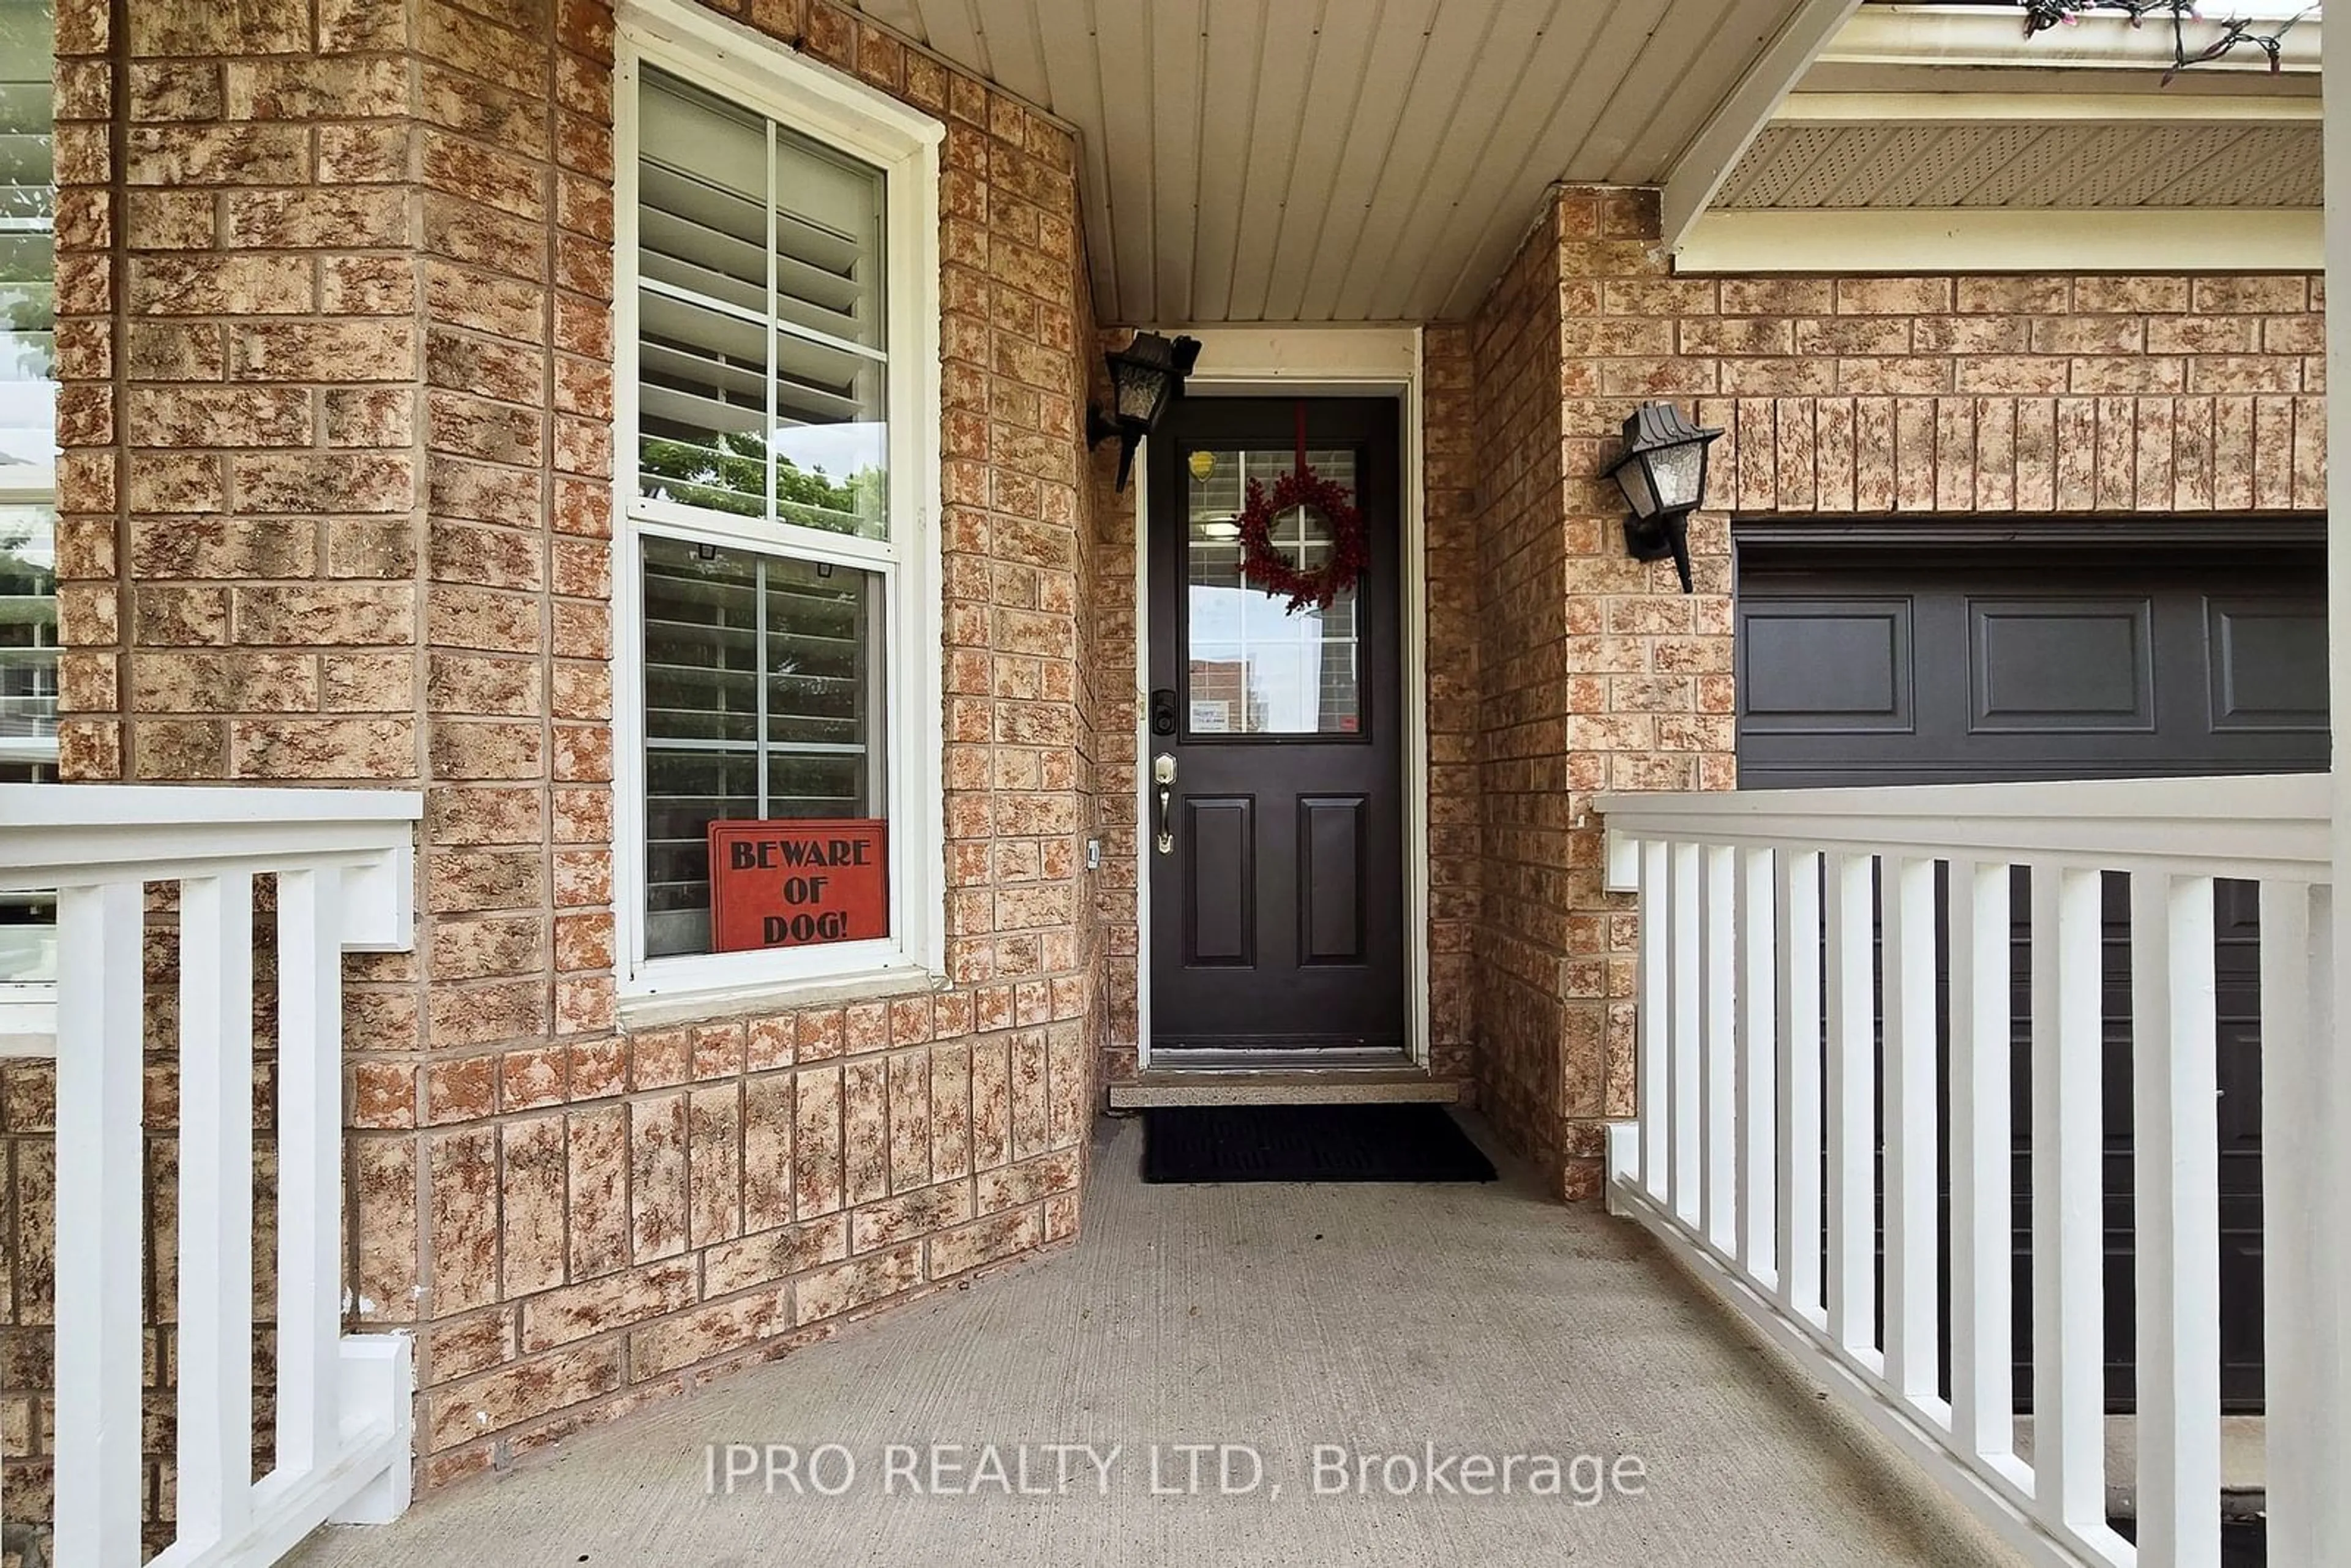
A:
(1632, 477)
(1677, 472)
(1141, 390)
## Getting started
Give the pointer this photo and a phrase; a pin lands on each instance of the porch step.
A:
(1282, 1086)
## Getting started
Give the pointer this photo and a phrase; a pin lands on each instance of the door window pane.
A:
(763, 701)
(1257, 667)
(762, 355)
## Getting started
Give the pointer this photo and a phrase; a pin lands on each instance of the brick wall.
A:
(1852, 395)
(1520, 945)
(337, 508)
(1451, 456)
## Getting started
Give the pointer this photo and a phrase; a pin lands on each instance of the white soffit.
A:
(1348, 159)
(2044, 160)
(1943, 136)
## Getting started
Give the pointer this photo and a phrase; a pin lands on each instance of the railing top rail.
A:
(2272, 825)
(74, 834)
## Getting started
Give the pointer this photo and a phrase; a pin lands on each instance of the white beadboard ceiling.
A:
(2027, 163)
(1343, 160)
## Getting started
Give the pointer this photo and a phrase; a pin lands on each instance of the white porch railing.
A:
(343, 864)
(1760, 1080)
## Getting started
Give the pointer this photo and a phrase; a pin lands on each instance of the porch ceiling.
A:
(1343, 159)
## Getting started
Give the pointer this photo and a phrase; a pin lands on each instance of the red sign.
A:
(797, 883)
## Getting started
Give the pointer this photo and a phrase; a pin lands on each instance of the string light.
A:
(2236, 32)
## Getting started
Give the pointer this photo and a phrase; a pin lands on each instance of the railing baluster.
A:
(99, 1224)
(2068, 1224)
(1912, 1241)
(2304, 1344)
(2176, 1158)
(1758, 1093)
(1652, 1029)
(1718, 1047)
(309, 1166)
(1852, 1107)
(1983, 1377)
(1681, 1072)
(1799, 1041)
(214, 1494)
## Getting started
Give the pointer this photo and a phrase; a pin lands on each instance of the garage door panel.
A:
(2061, 665)
(2267, 663)
(1830, 666)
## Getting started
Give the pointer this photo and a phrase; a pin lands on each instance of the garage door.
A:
(1873, 664)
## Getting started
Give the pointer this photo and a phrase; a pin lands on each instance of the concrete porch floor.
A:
(1481, 1319)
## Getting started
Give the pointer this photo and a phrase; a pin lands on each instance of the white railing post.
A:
(2176, 1157)
(1759, 1121)
(215, 1494)
(2069, 1370)
(100, 1159)
(1852, 1081)
(1798, 1035)
(1652, 1023)
(1683, 980)
(2308, 1359)
(1912, 1235)
(1717, 1048)
(1983, 1377)
(309, 1166)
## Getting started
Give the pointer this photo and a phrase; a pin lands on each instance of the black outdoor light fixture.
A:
(1144, 376)
(1663, 476)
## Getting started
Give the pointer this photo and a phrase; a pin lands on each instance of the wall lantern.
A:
(1663, 476)
(1145, 377)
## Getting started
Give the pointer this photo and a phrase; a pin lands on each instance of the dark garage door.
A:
(1865, 664)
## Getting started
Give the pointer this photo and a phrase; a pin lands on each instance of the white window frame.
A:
(765, 76)
(28, 1009)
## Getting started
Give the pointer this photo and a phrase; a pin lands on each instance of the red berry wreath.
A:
(1275, 572)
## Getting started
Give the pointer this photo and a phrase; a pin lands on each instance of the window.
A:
(28, 587)
(779, 646)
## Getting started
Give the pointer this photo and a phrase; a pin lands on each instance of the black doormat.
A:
(2244, 1542)
(1307, 1143)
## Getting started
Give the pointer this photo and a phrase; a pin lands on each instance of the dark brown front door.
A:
(1275, 841)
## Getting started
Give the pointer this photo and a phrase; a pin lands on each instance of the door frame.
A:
(1311, 361)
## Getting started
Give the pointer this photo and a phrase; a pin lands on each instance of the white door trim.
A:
(1321, 362)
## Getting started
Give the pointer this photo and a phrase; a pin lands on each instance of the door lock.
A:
(1163, 773)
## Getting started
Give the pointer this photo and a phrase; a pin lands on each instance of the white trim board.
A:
(1699, 172)
(1976, 107)
(1321, 362)
(2002, 239)
(1990, 35)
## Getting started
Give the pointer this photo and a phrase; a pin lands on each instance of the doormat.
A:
(2244, 1542)
(1307, 1143)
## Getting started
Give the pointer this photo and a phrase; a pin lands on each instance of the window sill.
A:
(662, 1009)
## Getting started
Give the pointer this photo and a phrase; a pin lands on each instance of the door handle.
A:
(1163, 773)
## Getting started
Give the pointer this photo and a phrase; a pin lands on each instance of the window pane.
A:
(761, 344)
(28, 589)
(27, 260)
(1257, 667)
(763, 702)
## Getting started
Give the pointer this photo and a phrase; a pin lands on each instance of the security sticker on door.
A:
(1212, 717)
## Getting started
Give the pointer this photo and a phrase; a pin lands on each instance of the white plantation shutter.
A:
(28, 589)
(762, 358)
(762, 698)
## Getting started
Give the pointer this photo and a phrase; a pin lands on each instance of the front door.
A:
(1274, 817)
